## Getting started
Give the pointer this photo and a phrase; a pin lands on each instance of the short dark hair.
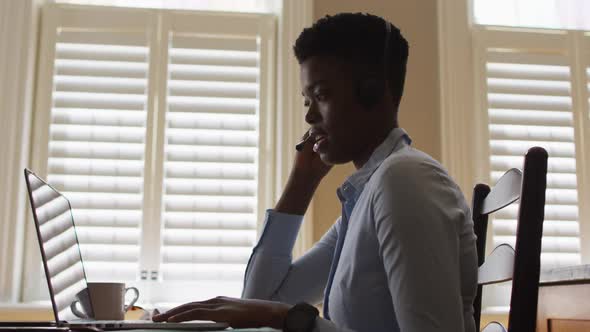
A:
(360, 39)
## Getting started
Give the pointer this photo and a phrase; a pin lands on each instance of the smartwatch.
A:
(300, 318)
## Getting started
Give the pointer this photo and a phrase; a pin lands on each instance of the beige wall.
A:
(419, 112)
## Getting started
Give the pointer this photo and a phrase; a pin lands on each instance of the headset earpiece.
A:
(371, 89)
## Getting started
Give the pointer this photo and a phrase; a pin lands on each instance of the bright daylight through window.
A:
(533, 78)
(153, 121)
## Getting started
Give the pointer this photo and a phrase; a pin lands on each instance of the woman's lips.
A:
(319, 142)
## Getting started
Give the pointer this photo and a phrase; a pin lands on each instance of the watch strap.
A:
(305, 314)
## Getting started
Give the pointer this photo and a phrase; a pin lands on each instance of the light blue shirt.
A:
(408, 261)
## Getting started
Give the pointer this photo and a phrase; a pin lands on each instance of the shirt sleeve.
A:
(324, 325)
(271, 273)
(418, 234)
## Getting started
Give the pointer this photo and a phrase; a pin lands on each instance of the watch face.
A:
(298, 321)
(301, 318)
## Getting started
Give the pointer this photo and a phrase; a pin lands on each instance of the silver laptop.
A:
(62, 260)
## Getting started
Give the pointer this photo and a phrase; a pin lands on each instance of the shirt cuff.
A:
(279, 232)
(324, 325)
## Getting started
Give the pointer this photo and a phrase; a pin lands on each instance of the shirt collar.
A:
(353, 186)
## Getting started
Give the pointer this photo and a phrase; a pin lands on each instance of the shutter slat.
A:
(114, 252)
(213, 89)
(211, 154)
(206, 255)
(198, 272)
(99, 117)
(209, 204)
(106, 184)
(95, 167)
(531, 102)
(100, 84)
(528, 71)
(208, 105)
(99, 271)
(555, 165)
(526, 58)
(97, 150)
(212, 137)
(212, 121)
(507, 227)
(227, 43)
(103, 52)
(213, 187)
(214, 57)
(213, 73)
(118, 134)
(110, 201)
(99, 100)
(517, 148)
(100, 68)
(531, 133)
(552, 212)
(101, 38)
(204, 170)
(530, 118)
(106, 218)
(524, 87)
(203, 220)
(99, 235)
(210, 238)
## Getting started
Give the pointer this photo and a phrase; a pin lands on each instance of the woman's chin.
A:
(331, 159)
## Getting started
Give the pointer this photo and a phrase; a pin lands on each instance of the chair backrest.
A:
(522, 264)
(486, 201)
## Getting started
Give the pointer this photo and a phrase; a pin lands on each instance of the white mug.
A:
(106, 301)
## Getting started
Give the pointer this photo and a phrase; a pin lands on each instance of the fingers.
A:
(164, 316)
(304, 139)
(209, 304)
(196, 314)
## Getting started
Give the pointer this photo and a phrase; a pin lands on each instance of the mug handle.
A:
(76, 312)
(130, 305)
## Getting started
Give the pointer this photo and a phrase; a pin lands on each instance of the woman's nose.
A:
(312, 114)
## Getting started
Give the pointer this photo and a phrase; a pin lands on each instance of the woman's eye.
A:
(320, 97)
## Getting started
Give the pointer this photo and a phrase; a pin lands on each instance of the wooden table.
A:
(564, 300)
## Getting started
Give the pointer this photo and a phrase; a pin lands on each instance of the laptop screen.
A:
(58, 242)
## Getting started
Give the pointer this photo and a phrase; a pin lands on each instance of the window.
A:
(532, 88)
(257, 6)
(529, 94)
(506, 86)
(152, 123)
(554, 14)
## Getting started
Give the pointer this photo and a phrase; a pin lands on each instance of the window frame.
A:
(19, 47)
(17, 270)
(158, 22)
(465, 150)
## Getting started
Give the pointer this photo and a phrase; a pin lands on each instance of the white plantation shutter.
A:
(97, 128)
(156, 125)
(210, 208)
(529, 103)
(528, 97)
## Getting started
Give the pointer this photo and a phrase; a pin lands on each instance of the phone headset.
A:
(370, 89)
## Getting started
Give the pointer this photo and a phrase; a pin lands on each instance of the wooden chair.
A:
(521, 264)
